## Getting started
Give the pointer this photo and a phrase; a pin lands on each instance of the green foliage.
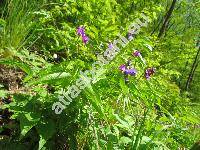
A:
(110, 113)
(16, 23)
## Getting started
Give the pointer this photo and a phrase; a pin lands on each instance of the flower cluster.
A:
(110, 53)
(149, 72)
(81, 32)
(136, 54)
(127, 70)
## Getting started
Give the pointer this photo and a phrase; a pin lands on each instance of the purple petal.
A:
(81, 31)
(147, 77)
(131, 72)
(130, 36)
(110, 46)
(136, 53)
(149, 72)
(122, 67)
(85, 39)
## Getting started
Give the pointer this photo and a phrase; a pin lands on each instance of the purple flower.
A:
(131, 72)
(80, 31)
(136, 54)
(122, 68)
(85, 38)
(110, 46)
(149, 72)
(130, 36)
(147, 76)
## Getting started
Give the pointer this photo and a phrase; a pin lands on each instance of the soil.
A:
(10, 78)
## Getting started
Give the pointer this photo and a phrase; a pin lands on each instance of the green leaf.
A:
(122, 121)
(94, 100)
(27, 121)
(46, 130)
(125, 140)
(3, 93)
(123, 86)
(19, 64)
(49, 77)
(145, 139)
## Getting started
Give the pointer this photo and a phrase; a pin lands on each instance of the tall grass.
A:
(16, 22)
